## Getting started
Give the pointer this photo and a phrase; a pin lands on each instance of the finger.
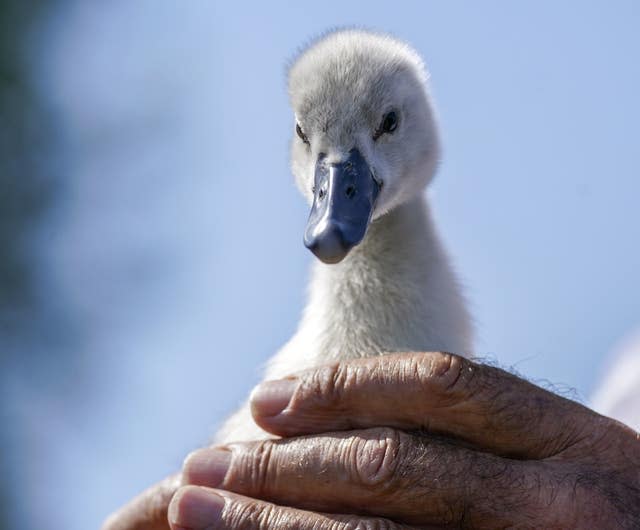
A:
(198, 508)
(378, 472)
(438, 392)
(148, 511)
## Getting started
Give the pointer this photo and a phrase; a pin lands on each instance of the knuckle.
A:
(373, 457)
(255, 466)
(249, 514)
(445, 373)
(328, 385)
(245, 515)
(370, 524)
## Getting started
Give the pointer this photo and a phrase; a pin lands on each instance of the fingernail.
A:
(206, 467)
(272, 397)
(195, 508)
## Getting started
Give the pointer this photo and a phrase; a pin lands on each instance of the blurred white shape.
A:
(618, 394)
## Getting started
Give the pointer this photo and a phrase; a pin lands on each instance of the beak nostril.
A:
(344, 198)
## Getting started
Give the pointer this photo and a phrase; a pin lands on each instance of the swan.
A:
(364, 147)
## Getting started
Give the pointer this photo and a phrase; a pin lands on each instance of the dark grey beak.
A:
(344, 197)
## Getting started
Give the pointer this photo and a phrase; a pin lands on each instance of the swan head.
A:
(365, 138)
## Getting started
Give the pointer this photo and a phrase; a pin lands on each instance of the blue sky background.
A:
(177, 277)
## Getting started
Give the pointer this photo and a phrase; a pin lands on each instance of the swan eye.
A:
(388, 125)
(302, 136)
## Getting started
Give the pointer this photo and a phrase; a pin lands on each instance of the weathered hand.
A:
(428, 440)
(147, 511)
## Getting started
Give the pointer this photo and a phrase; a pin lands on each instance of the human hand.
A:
(147, 511)
(415, 440)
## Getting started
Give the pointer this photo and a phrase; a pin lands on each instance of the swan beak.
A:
(343, 201)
